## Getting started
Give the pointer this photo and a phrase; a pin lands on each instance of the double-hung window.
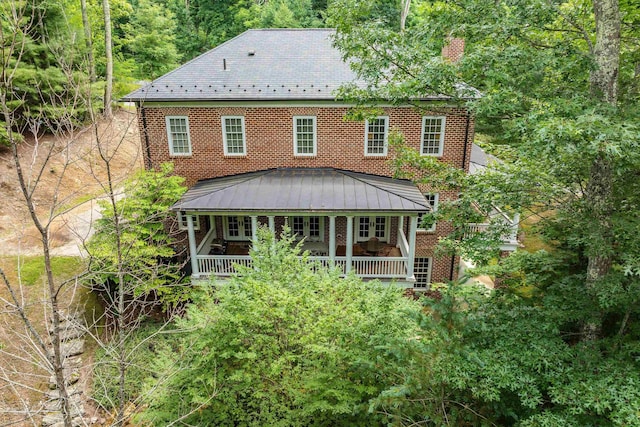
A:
(432, 141)
(304, 136)
(233, 136)
(178, 135)
(432, 198)
(422, 272)
(375, 138)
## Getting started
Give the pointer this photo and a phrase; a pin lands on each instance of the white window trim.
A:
(442, 129)
(428, 274)
(182, 222)
(170, 135)
(386, 137)
(242, 237)
(372, 233)
(436, 198)
(224, 137)
(295, 136)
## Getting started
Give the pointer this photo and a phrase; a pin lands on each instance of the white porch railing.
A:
(509, 239)
(369, 267)
(221, 265)
(380, 267)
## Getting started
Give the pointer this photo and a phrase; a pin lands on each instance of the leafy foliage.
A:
(139, 222)
(525, 355)
(40, 77)
(285, 343)
(504, 359)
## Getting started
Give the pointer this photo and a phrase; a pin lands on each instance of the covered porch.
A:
(359, 223)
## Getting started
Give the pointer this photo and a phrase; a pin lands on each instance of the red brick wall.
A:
(269, 144)
(453, 49)
(269, 140)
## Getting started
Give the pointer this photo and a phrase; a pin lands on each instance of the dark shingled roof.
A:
(271, 64)
(303, 190)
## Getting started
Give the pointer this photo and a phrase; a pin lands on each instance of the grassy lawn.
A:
(23, 377)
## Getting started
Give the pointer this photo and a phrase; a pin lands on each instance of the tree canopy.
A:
(285, 343)
(559, 104)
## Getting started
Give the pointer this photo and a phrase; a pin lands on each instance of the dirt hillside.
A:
(68, 180)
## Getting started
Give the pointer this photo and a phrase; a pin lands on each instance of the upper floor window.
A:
(178, 135)
(432, 136)
(432, 198)
(304, 135)
(375, 143)
(233, 136)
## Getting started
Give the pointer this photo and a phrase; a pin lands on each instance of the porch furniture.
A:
(239, 248)
(374, 246)
(316, 248)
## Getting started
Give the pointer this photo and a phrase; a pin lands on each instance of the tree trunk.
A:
(606, 51)
(87, 40)
(108, 87)
(405, 12)
(604, 87)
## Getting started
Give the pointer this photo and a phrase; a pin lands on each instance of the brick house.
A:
(254, 127)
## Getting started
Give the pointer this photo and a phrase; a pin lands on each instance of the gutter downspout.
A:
(453, 263)
(147, 160)
(466, 141)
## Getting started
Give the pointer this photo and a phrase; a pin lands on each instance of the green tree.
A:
(150, 39)
(139, 221)
(558, 86)
(40, 59)
(284, 343)
(280, 14)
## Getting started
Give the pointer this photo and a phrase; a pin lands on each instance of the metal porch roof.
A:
(303, 190)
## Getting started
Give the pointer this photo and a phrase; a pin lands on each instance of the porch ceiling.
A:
(303, 190)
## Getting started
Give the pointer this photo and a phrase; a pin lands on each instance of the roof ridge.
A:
(351, 173)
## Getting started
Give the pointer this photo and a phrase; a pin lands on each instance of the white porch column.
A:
(400, 229)
(332, 239)
(272, 224)
(254, 229)
(349, 243)
(192, 245)
(413, 228)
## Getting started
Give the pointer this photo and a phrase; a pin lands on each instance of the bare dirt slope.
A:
(70, 180)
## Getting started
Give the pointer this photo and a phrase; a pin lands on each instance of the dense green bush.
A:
(284, 344)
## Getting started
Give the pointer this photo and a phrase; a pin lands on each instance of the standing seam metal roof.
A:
(303, 190)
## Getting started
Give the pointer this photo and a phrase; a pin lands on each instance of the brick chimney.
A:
(453, 49)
